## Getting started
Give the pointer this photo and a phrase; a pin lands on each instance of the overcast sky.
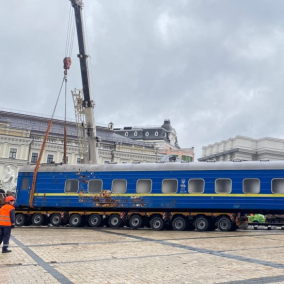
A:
(214, 68)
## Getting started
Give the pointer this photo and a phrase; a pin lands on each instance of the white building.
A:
(244, 148)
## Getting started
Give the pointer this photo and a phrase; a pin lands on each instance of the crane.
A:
(85, 106)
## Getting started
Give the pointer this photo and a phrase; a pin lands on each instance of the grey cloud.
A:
(215, 68)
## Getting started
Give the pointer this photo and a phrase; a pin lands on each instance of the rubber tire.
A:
(37, 219)
(115, 221)
(55, 219)
(135, 221)
(75, 220)
(225, 224)
(20, 220)
(157, 223)
(98, 220)
(201, 224)
(180, 224)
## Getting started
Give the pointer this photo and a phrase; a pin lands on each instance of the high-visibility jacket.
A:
(6, 215)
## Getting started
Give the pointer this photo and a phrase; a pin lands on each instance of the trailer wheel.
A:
(75, 220)
(95, 220)
(201, 224)
(225, 224)
(20, 220)
(135, 221)
(180, 224)
(157, 223)
(55, 219)
(37, 219)
(115, 221)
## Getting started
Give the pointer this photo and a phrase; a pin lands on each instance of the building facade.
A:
(21, 137)
(163, 137)
(245, 149)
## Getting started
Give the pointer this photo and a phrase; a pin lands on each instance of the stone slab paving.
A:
(104, 256)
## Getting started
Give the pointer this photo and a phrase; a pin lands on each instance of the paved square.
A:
(86, 255)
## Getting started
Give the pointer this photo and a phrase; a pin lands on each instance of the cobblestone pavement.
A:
(86, 255)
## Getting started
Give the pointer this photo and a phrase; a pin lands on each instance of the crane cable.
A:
(70, 34)
(42, 149)
(66, 66)
(65, 124)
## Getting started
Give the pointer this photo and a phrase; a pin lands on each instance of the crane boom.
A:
(87, 103)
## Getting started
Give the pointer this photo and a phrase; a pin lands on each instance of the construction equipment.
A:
(86, 105)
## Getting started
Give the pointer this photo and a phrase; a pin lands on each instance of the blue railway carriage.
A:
(210, 187)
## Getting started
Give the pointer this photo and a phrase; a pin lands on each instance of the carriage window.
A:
(169, 186)
(223, 185)
(25, 184)
(144, 186)
(251, 185)
(71, 185)
(277, 185)
(119, 186)
(95, 186)
(196, 185)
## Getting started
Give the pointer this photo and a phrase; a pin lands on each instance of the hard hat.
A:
(10, 198)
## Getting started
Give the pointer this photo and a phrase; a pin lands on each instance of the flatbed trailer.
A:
(157, 220)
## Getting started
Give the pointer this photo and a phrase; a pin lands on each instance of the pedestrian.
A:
(7, 222)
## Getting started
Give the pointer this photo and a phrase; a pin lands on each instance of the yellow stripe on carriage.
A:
(160, 194)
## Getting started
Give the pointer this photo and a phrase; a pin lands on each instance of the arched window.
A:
(126, 134)
(156, 133)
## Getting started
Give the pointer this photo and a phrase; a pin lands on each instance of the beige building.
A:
(245, 149)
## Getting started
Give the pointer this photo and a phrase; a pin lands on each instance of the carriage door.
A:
(23, 192)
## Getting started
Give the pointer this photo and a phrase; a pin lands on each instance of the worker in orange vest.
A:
(7, 222)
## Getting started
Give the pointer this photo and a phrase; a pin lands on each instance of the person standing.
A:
(7, 222)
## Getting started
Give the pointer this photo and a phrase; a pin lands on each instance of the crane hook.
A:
(66, 64)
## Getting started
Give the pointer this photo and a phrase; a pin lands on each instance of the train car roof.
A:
(195, 166)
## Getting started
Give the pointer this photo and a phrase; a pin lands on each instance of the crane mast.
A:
(87, 104)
